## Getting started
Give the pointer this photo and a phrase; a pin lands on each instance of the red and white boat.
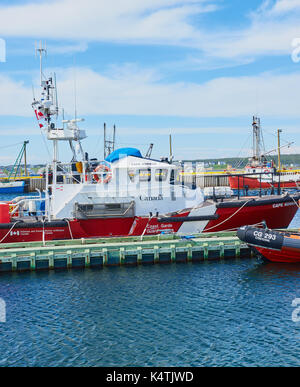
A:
(261, 173)
(125, 195)
(264, 177)
(274, 246)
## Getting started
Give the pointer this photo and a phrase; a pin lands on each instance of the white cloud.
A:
(15, 97)
(131, 20)
(139, 94)
(67, 48)
(282, 6)
(272, 28)
(142, 92)
(270, 31)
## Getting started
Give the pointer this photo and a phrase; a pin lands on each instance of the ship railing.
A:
(273, 189)
(77, 173)
(242, 189)
(27, 206)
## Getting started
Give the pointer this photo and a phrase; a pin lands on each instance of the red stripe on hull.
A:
(283, 256)
(275, 215)
(236, 182)
(93, 228)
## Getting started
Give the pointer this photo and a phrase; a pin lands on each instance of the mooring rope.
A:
(150, 217)
(297, 204)
(231, 216)
(69, 228)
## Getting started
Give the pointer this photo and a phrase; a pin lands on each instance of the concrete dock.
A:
(84, 253)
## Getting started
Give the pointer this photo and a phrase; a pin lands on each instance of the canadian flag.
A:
(39, 115)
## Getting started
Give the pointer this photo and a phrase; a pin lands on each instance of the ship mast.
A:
(278, 139)
(47, 107)
(42, 50)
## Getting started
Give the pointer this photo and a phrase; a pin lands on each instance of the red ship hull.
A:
(239, 182)
(284, 256)
(277, 212)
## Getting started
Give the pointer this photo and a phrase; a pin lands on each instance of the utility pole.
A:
(256, 138)
(171, 151)
(278, 136)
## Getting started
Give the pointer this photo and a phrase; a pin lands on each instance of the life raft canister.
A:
(12, 208)
(4, 213)
(105, 172)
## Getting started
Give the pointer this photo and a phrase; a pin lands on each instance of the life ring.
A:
(106, 174)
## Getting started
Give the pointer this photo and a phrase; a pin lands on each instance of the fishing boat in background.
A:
(274, 246)
(126, 194)
(12, 187)
(261, 173)
(14, 182)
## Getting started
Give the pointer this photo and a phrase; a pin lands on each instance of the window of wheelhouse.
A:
(161, 174)
(145, 174)
(131, 175)
(172, 177)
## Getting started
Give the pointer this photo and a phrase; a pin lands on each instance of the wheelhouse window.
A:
(145, 174)
(172, 177)
(131, 174)
(161, 174)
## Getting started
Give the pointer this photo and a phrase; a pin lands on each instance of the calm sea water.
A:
(233, 313)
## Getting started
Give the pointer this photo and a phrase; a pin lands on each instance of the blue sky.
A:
(198, 69)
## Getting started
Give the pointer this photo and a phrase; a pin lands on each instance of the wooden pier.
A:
(85, 253)
(204, 180)
(35, 183)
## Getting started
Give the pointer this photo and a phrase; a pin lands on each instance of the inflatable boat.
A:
(274, 246)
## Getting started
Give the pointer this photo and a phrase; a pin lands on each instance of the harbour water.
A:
(231, 313)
